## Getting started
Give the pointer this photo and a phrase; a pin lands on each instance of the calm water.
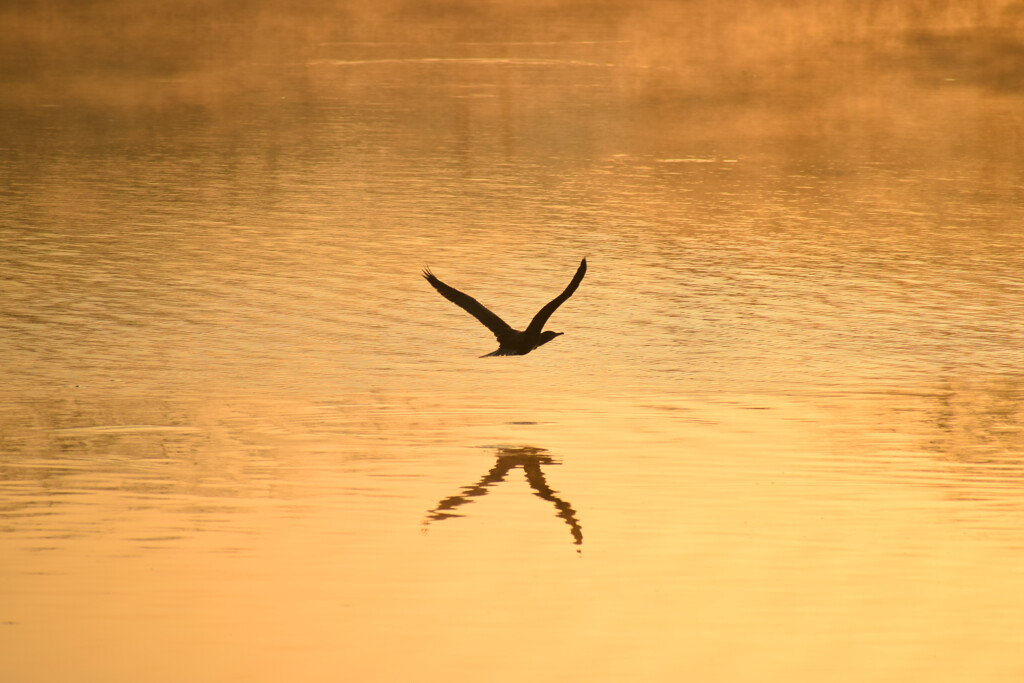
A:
(782, 437)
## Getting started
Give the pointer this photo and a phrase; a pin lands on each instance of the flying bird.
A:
(510, 342)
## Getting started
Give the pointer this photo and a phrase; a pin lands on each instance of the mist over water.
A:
(241, 437)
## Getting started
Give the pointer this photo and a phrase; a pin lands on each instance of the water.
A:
(242, 439)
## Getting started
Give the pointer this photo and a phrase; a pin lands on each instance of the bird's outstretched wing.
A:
(499, 327)
(539, 320)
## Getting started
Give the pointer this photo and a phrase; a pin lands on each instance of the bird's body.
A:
(511, 342)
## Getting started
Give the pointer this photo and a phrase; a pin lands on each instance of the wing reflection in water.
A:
(530, 459)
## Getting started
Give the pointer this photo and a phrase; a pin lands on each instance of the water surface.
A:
(781, 438)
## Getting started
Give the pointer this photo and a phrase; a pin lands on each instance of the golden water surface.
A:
(781, 439)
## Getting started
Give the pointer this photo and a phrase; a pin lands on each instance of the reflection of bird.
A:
(510, 342)
(530, 459)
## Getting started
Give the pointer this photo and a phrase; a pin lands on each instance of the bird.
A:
(511, 342)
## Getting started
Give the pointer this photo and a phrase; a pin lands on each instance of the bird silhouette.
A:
(510, 342)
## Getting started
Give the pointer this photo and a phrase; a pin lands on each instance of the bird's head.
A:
(548, 335)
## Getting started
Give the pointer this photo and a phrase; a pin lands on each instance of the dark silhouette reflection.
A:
(530, 459)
